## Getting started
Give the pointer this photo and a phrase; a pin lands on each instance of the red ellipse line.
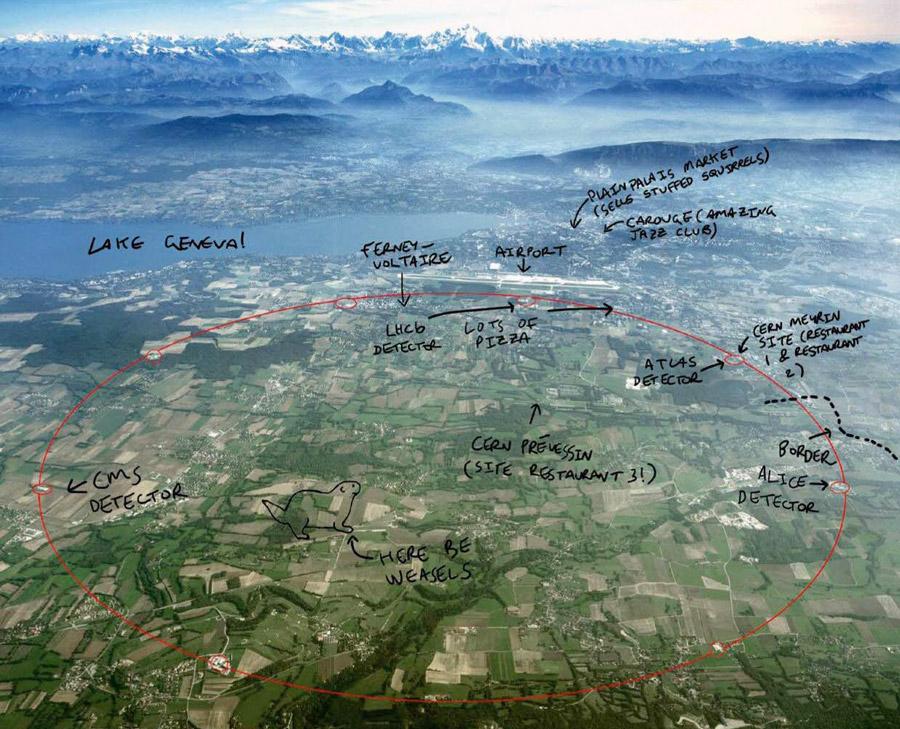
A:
(711, 653)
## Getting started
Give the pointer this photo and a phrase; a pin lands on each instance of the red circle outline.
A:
(711, 653)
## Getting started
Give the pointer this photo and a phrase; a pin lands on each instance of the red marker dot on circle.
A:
(839, 487)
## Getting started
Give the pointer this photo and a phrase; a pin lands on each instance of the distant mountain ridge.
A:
(392, 96)
(238, 127)
(733, 89)
(657, 154)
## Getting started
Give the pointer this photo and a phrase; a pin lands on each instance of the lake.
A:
(52, 249)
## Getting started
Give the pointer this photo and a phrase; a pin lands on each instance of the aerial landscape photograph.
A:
(449, 365)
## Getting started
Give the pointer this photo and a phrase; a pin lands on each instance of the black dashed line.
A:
(837, 417)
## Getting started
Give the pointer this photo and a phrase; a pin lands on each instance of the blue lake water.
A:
(58, 250)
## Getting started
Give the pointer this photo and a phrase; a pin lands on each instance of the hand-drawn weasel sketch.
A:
(300, 509)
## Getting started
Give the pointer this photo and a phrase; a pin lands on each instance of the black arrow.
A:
(718, 363)
(352, 542)
(576, 221)
(522, 267)
(609, 226)
(535, 410)
(606, 309)
(72, 488)
(404, 298)
(742, 347)
(826, 432)
(820, 482)
(509, 307)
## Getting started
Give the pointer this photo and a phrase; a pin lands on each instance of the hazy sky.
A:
(768, 19)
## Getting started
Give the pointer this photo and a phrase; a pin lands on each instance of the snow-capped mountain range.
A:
(466, 40)
(462, 63)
